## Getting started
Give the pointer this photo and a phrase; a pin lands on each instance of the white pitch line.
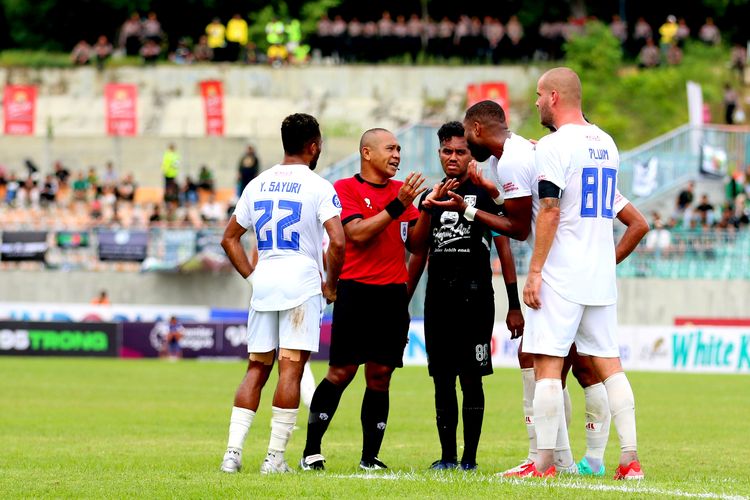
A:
(573, 485)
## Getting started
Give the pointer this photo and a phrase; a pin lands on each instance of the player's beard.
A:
(314, 162)
(545, 117)
(480, 153)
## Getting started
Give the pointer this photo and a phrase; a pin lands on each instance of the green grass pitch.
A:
(120, 428)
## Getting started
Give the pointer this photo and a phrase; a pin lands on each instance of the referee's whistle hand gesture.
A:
(411, 188)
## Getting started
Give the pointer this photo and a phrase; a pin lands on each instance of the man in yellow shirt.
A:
(215, 32)
(170, 167)
(668, 32)
(236, 37)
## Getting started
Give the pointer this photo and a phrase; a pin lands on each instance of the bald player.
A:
(571, 287)
(371, 317)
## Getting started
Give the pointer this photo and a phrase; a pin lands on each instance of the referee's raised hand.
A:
(411, 188)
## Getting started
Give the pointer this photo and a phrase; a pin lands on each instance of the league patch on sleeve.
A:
(336, 201)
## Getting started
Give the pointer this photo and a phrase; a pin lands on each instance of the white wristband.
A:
(500, 198)
(470, 212)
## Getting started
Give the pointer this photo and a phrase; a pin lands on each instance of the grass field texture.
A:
(120, 428)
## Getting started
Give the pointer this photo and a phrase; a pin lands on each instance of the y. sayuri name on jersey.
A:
(280, 187)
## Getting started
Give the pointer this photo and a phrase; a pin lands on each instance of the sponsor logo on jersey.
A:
(471, 200)
(509, 187)
(367, 202)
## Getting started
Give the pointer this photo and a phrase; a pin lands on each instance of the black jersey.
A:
(459, 248)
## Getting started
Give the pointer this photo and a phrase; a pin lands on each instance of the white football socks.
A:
(529, 384)
(307, 385)
(563, 454)
(239, 425)
(598, 418)
(567, 406)
(622, 406)
(548, 412)
(282, 424)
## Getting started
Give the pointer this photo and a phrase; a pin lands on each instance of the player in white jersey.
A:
(571, 285)
(287, 206)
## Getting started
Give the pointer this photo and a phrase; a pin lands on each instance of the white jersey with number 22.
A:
(286, 206)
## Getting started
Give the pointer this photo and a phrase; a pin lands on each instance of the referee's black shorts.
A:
(370, 324)
(458, 322)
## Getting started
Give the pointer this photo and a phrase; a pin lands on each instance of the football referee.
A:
(370, 316)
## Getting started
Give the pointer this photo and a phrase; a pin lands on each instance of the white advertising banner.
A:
(21, 311)
(690, 349)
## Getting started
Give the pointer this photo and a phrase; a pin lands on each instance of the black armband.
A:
(395, 209)
(548, 189)
(513, 302)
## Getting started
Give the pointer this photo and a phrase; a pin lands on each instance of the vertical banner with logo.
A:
(19, 106)
(488, 91)
(121, 104)
(213, 106)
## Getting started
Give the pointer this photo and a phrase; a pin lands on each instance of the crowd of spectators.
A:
(81, 199)
(718, 222)
(470, 38)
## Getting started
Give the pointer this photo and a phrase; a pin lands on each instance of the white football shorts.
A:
(552, 329)
(297, 328)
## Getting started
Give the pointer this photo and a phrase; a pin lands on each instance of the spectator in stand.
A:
(619, 29)
(215, 38)
(189, 192)
(401, 35)
(203, 52)
(641, 33)
(48, 193)
(81, 187)
(649, 56)
(152, 29)
(102, 51)
(212, 211)
(705, 211)
(156, 217)
(667, 32)
(182, 53)
(385, 32)
(206, 179)
(738, 59)
(730, 103)
(150, 52)
(684, 200)
(674, 54)
(11, 189)
(659, 238)
(110, 177)
(514, 31)
(81, 53)
(102, 299)
(131, 33)
(709, 33)
(170, 167)
(237, 35)
(28, 194)
(293, 38)
(126, 189)
(741, 215)
(277, 51)
(93, 179)
(414, 31)
(253, 55)
(322, 39)
(683, 32)
(248, 169)
(338, 37)
(62, 174)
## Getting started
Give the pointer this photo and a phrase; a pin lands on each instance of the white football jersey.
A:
(583, 161)
(514, 172)
(286, 207)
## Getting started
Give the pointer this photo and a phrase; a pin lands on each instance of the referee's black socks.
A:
(323, 406)
(375, 406)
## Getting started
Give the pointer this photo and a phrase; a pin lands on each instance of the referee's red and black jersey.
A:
(382, 260)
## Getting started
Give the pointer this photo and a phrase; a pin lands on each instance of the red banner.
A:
(213, 106)
(19, 106)
(121, 108)
(488, 91)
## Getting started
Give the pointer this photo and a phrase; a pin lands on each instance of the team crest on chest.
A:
(404, 230)
(471, 200)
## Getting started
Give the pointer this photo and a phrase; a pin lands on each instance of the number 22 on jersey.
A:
(598, 185)
(265, 234)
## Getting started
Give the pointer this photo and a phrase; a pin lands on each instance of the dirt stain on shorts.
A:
(297, 318)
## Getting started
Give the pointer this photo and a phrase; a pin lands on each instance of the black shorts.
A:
(458, 322)
(370, 323)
